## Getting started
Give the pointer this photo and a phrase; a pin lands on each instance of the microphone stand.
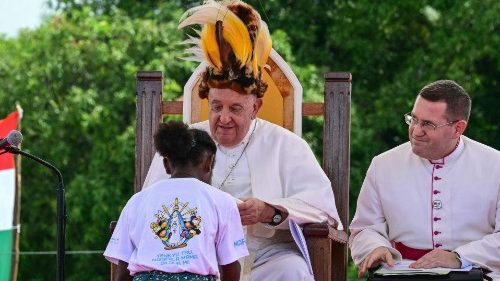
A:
(61, 209)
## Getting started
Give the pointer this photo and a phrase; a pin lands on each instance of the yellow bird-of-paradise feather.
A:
(236, 34)
(235, 31)
(210, 47)
(255, 66)
(263, 44)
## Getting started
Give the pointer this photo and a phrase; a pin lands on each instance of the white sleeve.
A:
(369, 228)
(308, 195)
(120, 246)
(230, 243)
(156, 171)
(486, 251)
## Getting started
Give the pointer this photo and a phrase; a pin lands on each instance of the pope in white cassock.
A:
(272, 170)
(434, 199)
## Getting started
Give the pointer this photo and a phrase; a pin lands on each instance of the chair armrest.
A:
(324, 243)
(325, 230)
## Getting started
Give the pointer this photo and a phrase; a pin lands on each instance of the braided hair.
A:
(181, 144)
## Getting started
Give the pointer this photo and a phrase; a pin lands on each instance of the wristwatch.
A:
(277, 218)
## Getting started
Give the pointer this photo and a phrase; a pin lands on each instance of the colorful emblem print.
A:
(176, 224)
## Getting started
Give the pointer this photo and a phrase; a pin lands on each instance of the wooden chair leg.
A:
(319, 251)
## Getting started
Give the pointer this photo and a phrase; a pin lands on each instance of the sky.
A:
(17, 14)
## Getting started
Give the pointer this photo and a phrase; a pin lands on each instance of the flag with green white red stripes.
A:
(7, 198)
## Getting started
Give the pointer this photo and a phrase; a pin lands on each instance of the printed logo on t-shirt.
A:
(176, 224)
(239, 243)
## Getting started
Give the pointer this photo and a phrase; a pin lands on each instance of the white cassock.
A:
(450, 204)
(279, 168)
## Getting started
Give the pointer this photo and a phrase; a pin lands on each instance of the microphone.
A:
(13, 139)
(9, 144)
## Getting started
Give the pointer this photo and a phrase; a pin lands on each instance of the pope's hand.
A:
(376, 257)
(437, 258)
(253, 210)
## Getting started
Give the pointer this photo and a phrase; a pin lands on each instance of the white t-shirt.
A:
(178, 225)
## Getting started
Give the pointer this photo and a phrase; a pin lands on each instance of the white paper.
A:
(403, 267)
(300, 240)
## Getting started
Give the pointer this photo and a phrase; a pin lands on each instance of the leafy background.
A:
(75, 78)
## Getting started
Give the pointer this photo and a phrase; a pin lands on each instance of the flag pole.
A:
(17, 206)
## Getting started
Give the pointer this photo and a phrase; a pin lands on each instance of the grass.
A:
(352, 272)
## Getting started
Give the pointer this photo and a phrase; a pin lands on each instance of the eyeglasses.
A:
(425, 125)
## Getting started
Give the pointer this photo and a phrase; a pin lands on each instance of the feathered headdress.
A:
(234, 41)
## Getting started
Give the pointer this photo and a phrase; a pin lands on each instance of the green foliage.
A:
(75, 78)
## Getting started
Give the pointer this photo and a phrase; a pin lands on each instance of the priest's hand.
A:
(253, 210)
(375, 258)
(437, 258)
